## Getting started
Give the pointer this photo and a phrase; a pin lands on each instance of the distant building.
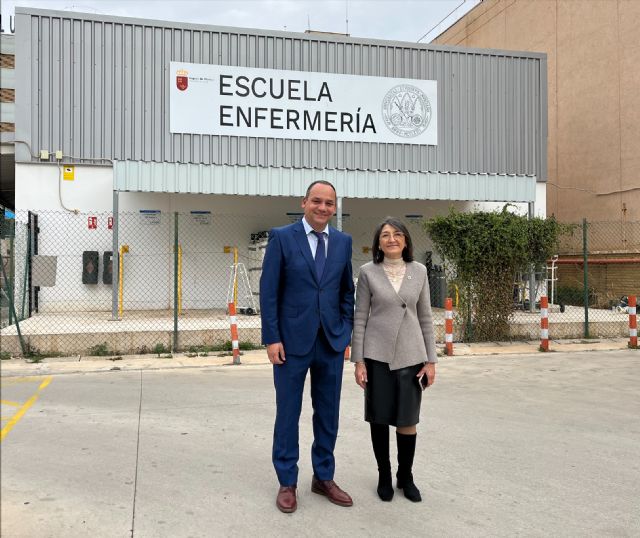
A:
(593, 54)
(7, 120)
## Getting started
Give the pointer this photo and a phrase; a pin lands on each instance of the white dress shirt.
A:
(312, 238)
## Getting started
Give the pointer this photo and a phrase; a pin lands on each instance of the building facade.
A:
(593, 54)
(7, 120)
(120, 135)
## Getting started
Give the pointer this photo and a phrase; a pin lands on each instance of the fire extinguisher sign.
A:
(110, 223)
(92, 223)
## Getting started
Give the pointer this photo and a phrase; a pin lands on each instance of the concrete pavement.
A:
(531, 445)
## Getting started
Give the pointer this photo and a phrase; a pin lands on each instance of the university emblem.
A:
(182, 79)
(406, 110)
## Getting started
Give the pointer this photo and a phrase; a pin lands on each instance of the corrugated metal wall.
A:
(279, 181)
(97, 87)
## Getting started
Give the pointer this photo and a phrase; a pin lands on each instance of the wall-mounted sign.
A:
(201, 217)
(271, 103)
(150, 217)
(68, 173)
(92, 223)
(109, 223)
(294, 216)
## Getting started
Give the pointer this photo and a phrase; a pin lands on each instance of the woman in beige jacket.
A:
(394, 349)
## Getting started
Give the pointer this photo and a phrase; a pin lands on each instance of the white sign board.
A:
(202, 218)
(244, 101)
(150, 217)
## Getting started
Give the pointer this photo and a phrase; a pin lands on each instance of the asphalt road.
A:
(528, 445)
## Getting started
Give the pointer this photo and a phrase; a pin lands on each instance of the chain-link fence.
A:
(597, 268)
(177, 272)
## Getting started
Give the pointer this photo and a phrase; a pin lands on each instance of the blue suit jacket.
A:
(294, 303)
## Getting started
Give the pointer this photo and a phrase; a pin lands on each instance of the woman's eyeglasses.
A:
(395, 235)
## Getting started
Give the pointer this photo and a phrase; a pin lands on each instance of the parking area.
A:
(532, 445)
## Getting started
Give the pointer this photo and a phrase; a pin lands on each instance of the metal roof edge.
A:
(272, 33)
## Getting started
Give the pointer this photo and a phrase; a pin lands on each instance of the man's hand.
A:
(361, 374)
(275, 352)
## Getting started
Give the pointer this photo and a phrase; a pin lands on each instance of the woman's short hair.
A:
(397, 224)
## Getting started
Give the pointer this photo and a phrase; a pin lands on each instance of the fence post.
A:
(12, 309)
(115, 261)
(532, 267)
(633, 322)
(235, 345)
(544, 323)
(448, 326)
(27, 263)
(586, 278)
(175, 281)
(10, 288)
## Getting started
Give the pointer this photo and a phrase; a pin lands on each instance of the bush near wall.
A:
(485, 250)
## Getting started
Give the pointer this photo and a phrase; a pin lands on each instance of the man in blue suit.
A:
(306, 302)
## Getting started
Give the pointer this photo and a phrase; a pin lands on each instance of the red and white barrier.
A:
(633, 322)
(544, 324)
(448, 326)
(235, 344)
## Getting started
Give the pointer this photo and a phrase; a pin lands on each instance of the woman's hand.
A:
(429, 369)
(361, 374)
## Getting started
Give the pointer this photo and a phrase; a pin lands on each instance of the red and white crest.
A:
(182, 79)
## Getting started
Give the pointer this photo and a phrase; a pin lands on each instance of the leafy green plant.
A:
(484, 251)
(159, 349)
(99, 350)
(574, 296)
(224, 346)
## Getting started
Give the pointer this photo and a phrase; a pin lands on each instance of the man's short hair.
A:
(320, 182)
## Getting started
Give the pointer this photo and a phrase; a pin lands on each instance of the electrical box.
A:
(107, 267)
(90, 264)
(43, 271)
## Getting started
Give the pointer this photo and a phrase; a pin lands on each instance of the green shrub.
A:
(570, 295)
(159, 349)
(484, 251)
(99, 350)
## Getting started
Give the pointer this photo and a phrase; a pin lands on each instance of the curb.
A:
(75, 364)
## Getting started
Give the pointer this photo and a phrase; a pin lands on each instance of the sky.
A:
(400, 20)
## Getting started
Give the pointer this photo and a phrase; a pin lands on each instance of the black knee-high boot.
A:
(406, 451)
(380, 442)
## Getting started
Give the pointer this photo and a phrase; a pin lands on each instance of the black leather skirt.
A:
(392, 397)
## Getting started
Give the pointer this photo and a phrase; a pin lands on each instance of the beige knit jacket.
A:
(396, 328)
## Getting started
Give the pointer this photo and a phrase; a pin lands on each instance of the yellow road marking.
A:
(12, 404)
(25, 407)
(45, 383)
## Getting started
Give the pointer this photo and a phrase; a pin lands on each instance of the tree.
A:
(485, 250)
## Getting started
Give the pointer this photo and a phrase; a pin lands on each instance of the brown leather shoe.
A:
(286, 500)
(330, 489)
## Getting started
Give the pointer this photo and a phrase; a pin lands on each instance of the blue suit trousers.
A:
(326, 366)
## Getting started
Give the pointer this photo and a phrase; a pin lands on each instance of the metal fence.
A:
(178, 272)
(597, 268)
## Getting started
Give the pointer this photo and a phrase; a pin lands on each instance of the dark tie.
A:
(320, 254)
